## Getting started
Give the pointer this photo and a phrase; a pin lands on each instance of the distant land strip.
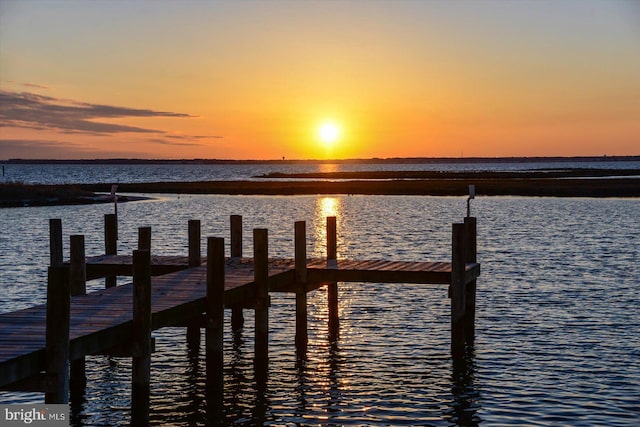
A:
(284, 161)
(569, 187)
(539, 173)
(38, 195)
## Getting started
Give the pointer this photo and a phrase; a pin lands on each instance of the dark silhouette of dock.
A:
(42, 348)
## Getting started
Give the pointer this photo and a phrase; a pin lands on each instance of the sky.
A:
(259, 80)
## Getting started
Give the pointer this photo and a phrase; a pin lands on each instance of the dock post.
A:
(141, 338)
(301, 288)
(237, 316)
(78, 286)
(457, 289)
(214, 332)
(261, 275)
(470, 244)
(57, 334)
(55, 242)
(110, 243)
(193, 327)
(332, 287)
(144, 239)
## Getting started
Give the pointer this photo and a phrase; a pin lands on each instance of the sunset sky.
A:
(258, 80)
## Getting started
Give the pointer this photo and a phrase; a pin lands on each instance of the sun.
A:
(329, 133)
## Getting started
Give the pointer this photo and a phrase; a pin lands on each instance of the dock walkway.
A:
(102, 322)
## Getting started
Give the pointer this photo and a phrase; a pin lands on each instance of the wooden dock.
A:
(38, 344)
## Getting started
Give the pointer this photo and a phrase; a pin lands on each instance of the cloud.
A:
(33, 111)
(35, 86)
(166, 142)
(48, 149)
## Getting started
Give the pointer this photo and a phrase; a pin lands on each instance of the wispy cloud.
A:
(35, 86)
(165, 141)
(34, 111)
(48, 149)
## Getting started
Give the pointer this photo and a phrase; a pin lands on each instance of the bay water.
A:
(558, 313)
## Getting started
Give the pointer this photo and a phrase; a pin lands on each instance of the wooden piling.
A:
(261, 275)
(301, 288)
(195, 259)
(457, 289)
(237, 316)
(332, 287)
(194, 243)
(55, 242)
(57, 334)
(144, 239)
(141, 338)
(78, 286)
(214, 331)
(110, 243)
(470, 255)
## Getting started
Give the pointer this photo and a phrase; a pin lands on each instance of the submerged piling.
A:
(301, 288)
(55, 242)
(457, 289)
(195, 259)
(332, 287)
(141, 338)
(214, 331)
(261, 275)
(57, 334)
(110, 243)
(237, 316)
(78, 286)
(470, 255)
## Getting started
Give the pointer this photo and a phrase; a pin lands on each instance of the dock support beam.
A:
(261, 275)
(78, 286)
(332, 287)
(470, 255)
(214, 332)
(457, 289)
(237, 316)
(193, 328)
(57, 334)
(141, 338)
(110, 243)
(301, 288)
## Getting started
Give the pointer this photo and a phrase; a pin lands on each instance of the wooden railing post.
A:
(194, 243)
(57, 334)
(261, 275)
(110, 243)
(55, 242)
(195, 259)
(78, 286)
(237, 316)
(141, 338)
(332, 287)
(144, 239)
(470, 246)
(214, 331)
(457, 289)
(301, 288)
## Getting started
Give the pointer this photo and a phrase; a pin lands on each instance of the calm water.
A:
(557, 324)
(64, 174)
(557, 329)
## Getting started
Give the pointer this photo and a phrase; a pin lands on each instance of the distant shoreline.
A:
(555, 183)
(390, 160)
(536, 187)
